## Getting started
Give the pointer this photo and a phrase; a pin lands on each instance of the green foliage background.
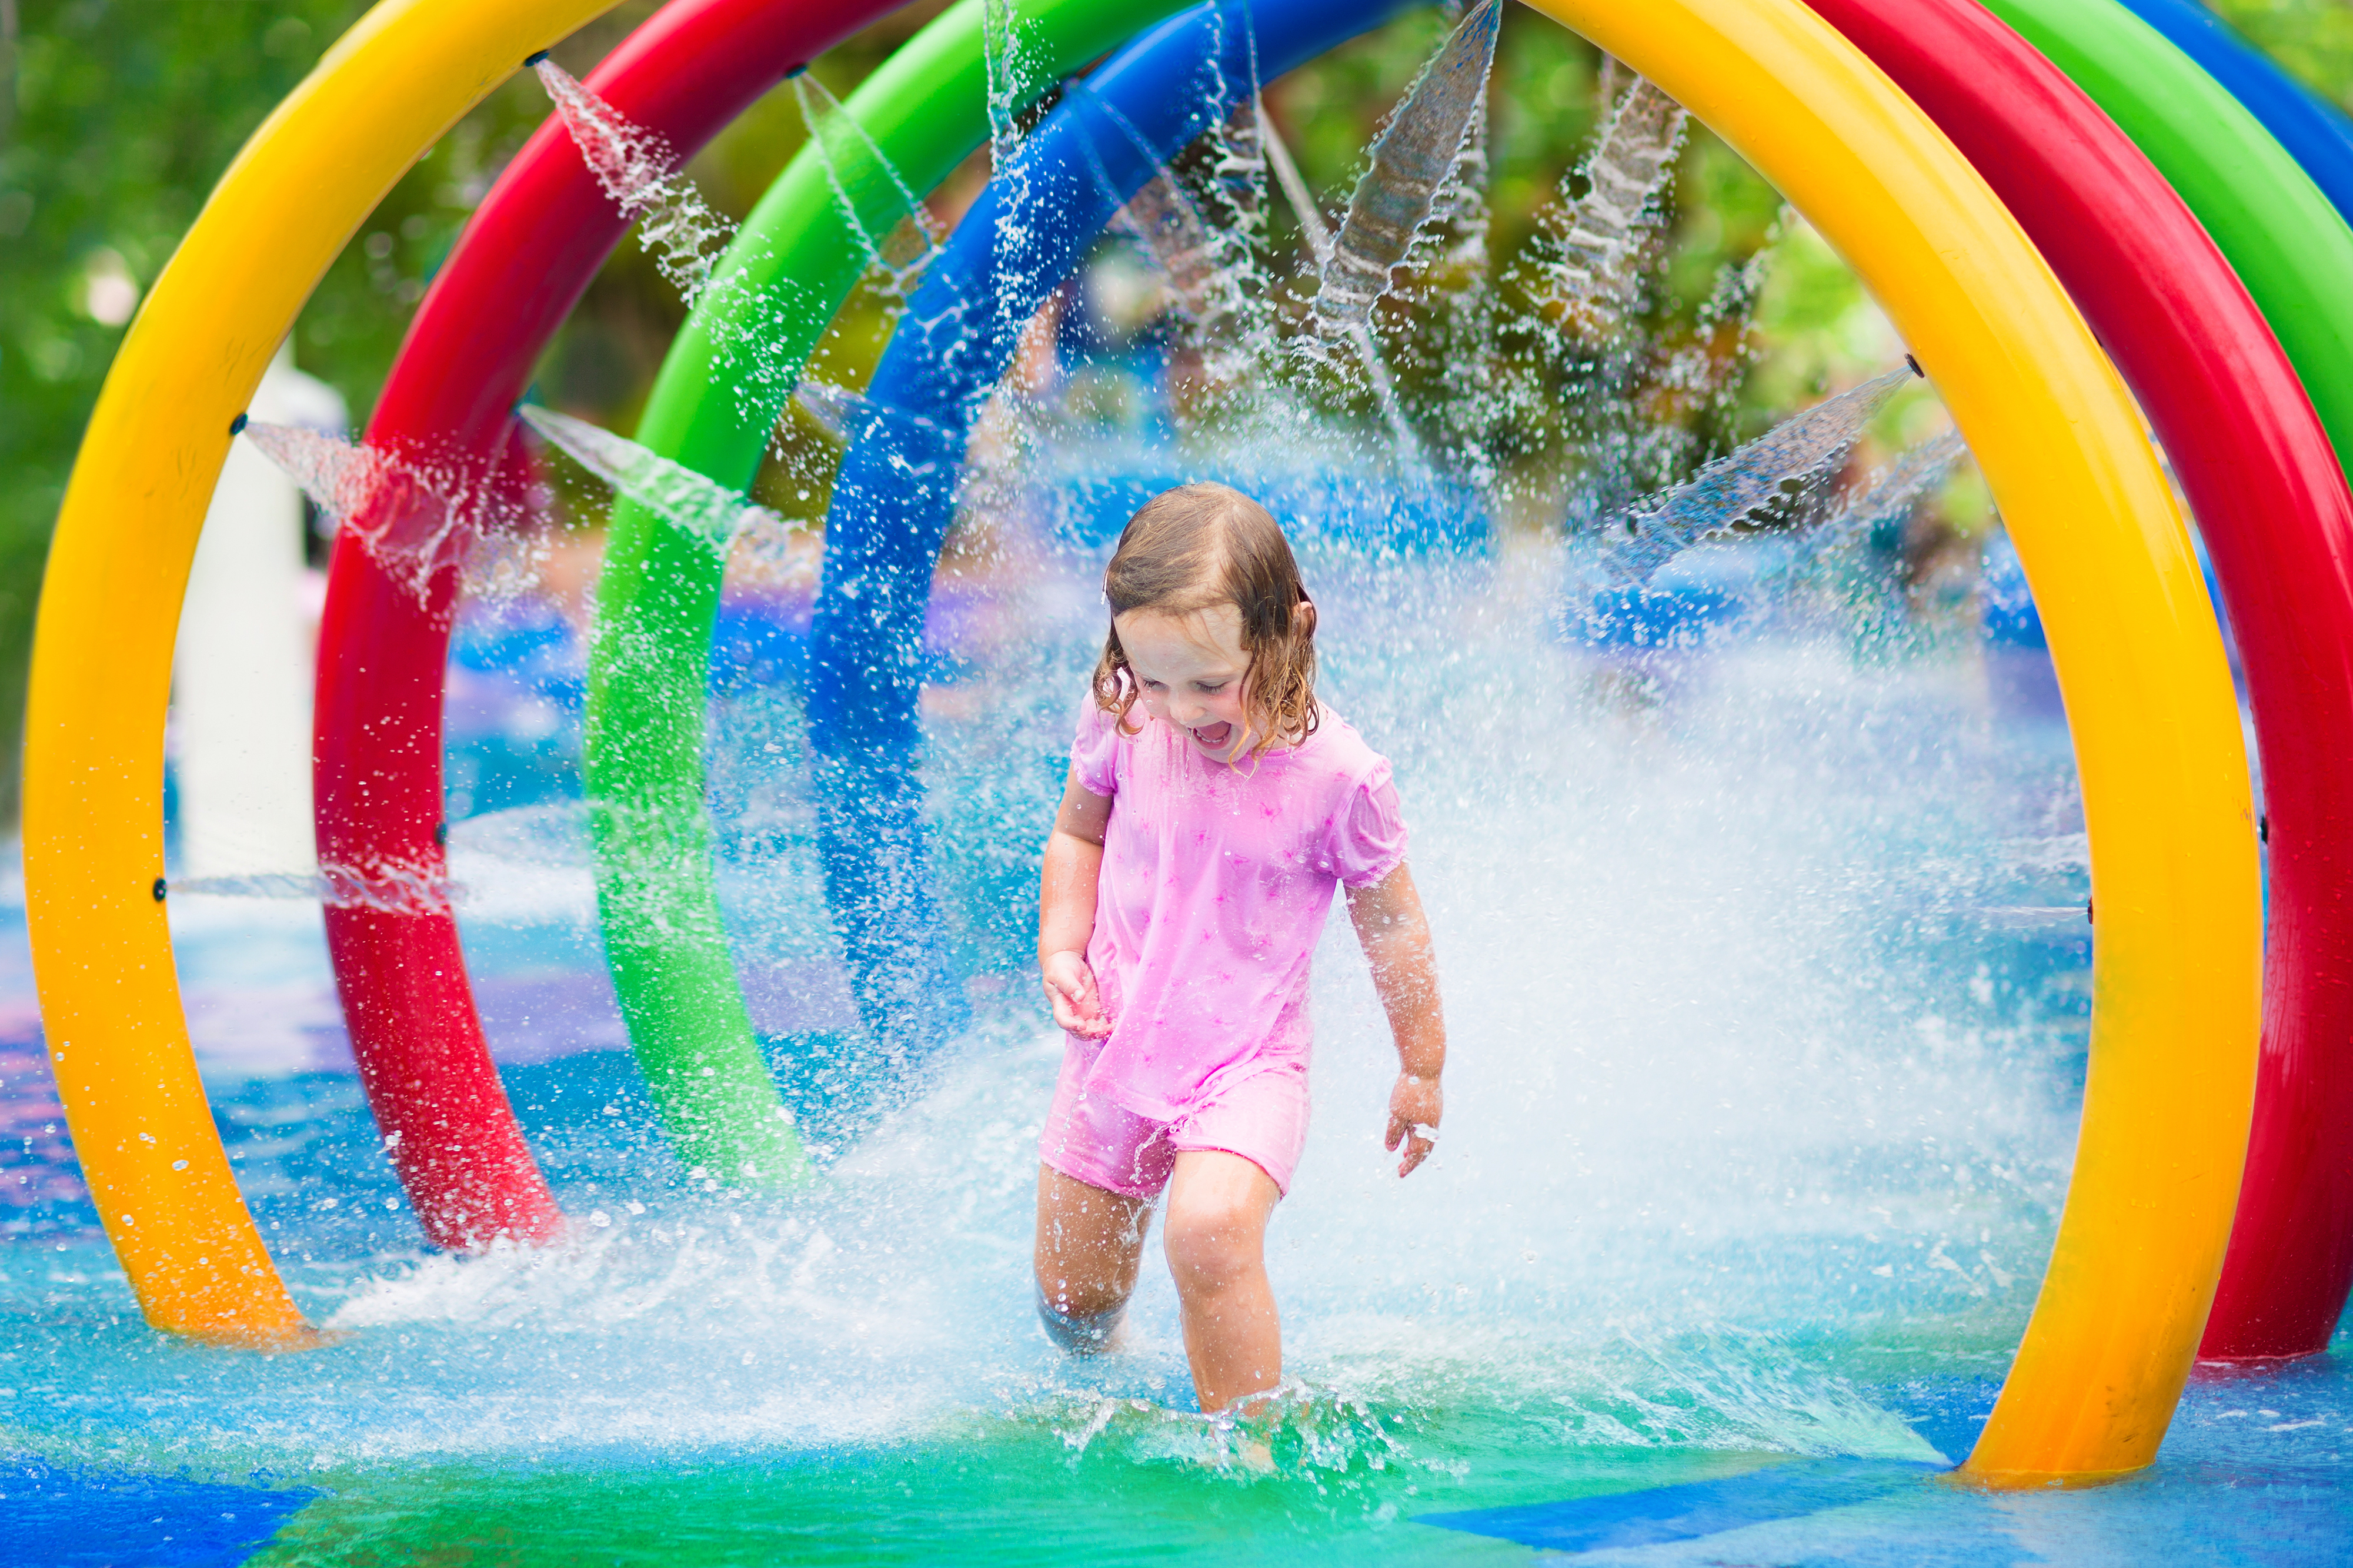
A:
(116, 117)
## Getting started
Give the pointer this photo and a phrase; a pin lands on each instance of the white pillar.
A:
(241, 672)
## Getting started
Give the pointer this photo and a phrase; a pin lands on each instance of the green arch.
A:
(795, 260)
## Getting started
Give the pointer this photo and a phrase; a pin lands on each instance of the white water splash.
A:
(1890, 493)
(899, 234)
(1001, 46)
(259, 885)
(833, 409)
(639, 170)
(1462, 205)
(1236, 165)
(1320, 247)
(415, 521)
(1209, 295)
(1009, 89)
(1412, 159)
(842, 414)
(1699, 1166)
(393, 888)
(1202, 244)
(1801, 451)
(703, 508)
(692, 242)
(1588, 267)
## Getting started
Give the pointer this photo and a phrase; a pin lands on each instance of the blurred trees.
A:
(117, 117)
(2313, 38)
(117, 120)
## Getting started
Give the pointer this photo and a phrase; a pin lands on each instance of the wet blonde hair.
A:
(1193, 548)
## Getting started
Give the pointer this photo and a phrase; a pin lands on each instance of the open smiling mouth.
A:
(1213, 737)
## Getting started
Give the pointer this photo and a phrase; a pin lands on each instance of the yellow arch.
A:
(2166, 797)
(2139, 658)
(117, 570)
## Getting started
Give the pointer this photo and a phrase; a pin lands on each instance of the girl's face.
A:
(1190, 669)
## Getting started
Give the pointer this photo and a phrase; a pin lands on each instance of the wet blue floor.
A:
(1622, 1325)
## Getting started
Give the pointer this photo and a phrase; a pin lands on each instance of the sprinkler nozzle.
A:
(534, 59)
(1915, 367)
(237, 425)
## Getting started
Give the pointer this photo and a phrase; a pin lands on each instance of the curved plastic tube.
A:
(2314, 132)
(2291, 1256)
(2140, 665)
(895, 495)
(383, 640)
(795, 260)
(2265, 486)
(118, 569)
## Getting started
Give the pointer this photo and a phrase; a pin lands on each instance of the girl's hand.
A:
(1414, 1103)
(1070, 986)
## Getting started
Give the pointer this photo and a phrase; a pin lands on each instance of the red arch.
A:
(517, 271)
(2271, 502)
(2262, 477)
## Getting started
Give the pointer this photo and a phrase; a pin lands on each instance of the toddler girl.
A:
(1212, 806)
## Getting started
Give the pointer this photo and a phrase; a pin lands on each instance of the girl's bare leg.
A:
(1219, 1204)
(1090, 1242)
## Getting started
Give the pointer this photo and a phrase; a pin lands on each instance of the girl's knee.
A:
(1213, 1241)
(1079, 1332)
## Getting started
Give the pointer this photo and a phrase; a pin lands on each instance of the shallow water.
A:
(1766, 976)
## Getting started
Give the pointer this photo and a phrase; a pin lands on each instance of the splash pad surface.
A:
(2056, 442)
(1329, 1421)
(1612, 1287)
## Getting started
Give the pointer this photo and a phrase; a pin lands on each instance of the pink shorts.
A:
(1262, 1116)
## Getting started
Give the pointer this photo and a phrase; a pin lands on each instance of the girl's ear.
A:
(1305, 615)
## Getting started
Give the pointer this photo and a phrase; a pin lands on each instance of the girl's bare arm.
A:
(1066, 909)
(1396, 937)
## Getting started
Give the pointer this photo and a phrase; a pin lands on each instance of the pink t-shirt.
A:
(1215, 883)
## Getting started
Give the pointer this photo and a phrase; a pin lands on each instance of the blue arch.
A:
(895, 496)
